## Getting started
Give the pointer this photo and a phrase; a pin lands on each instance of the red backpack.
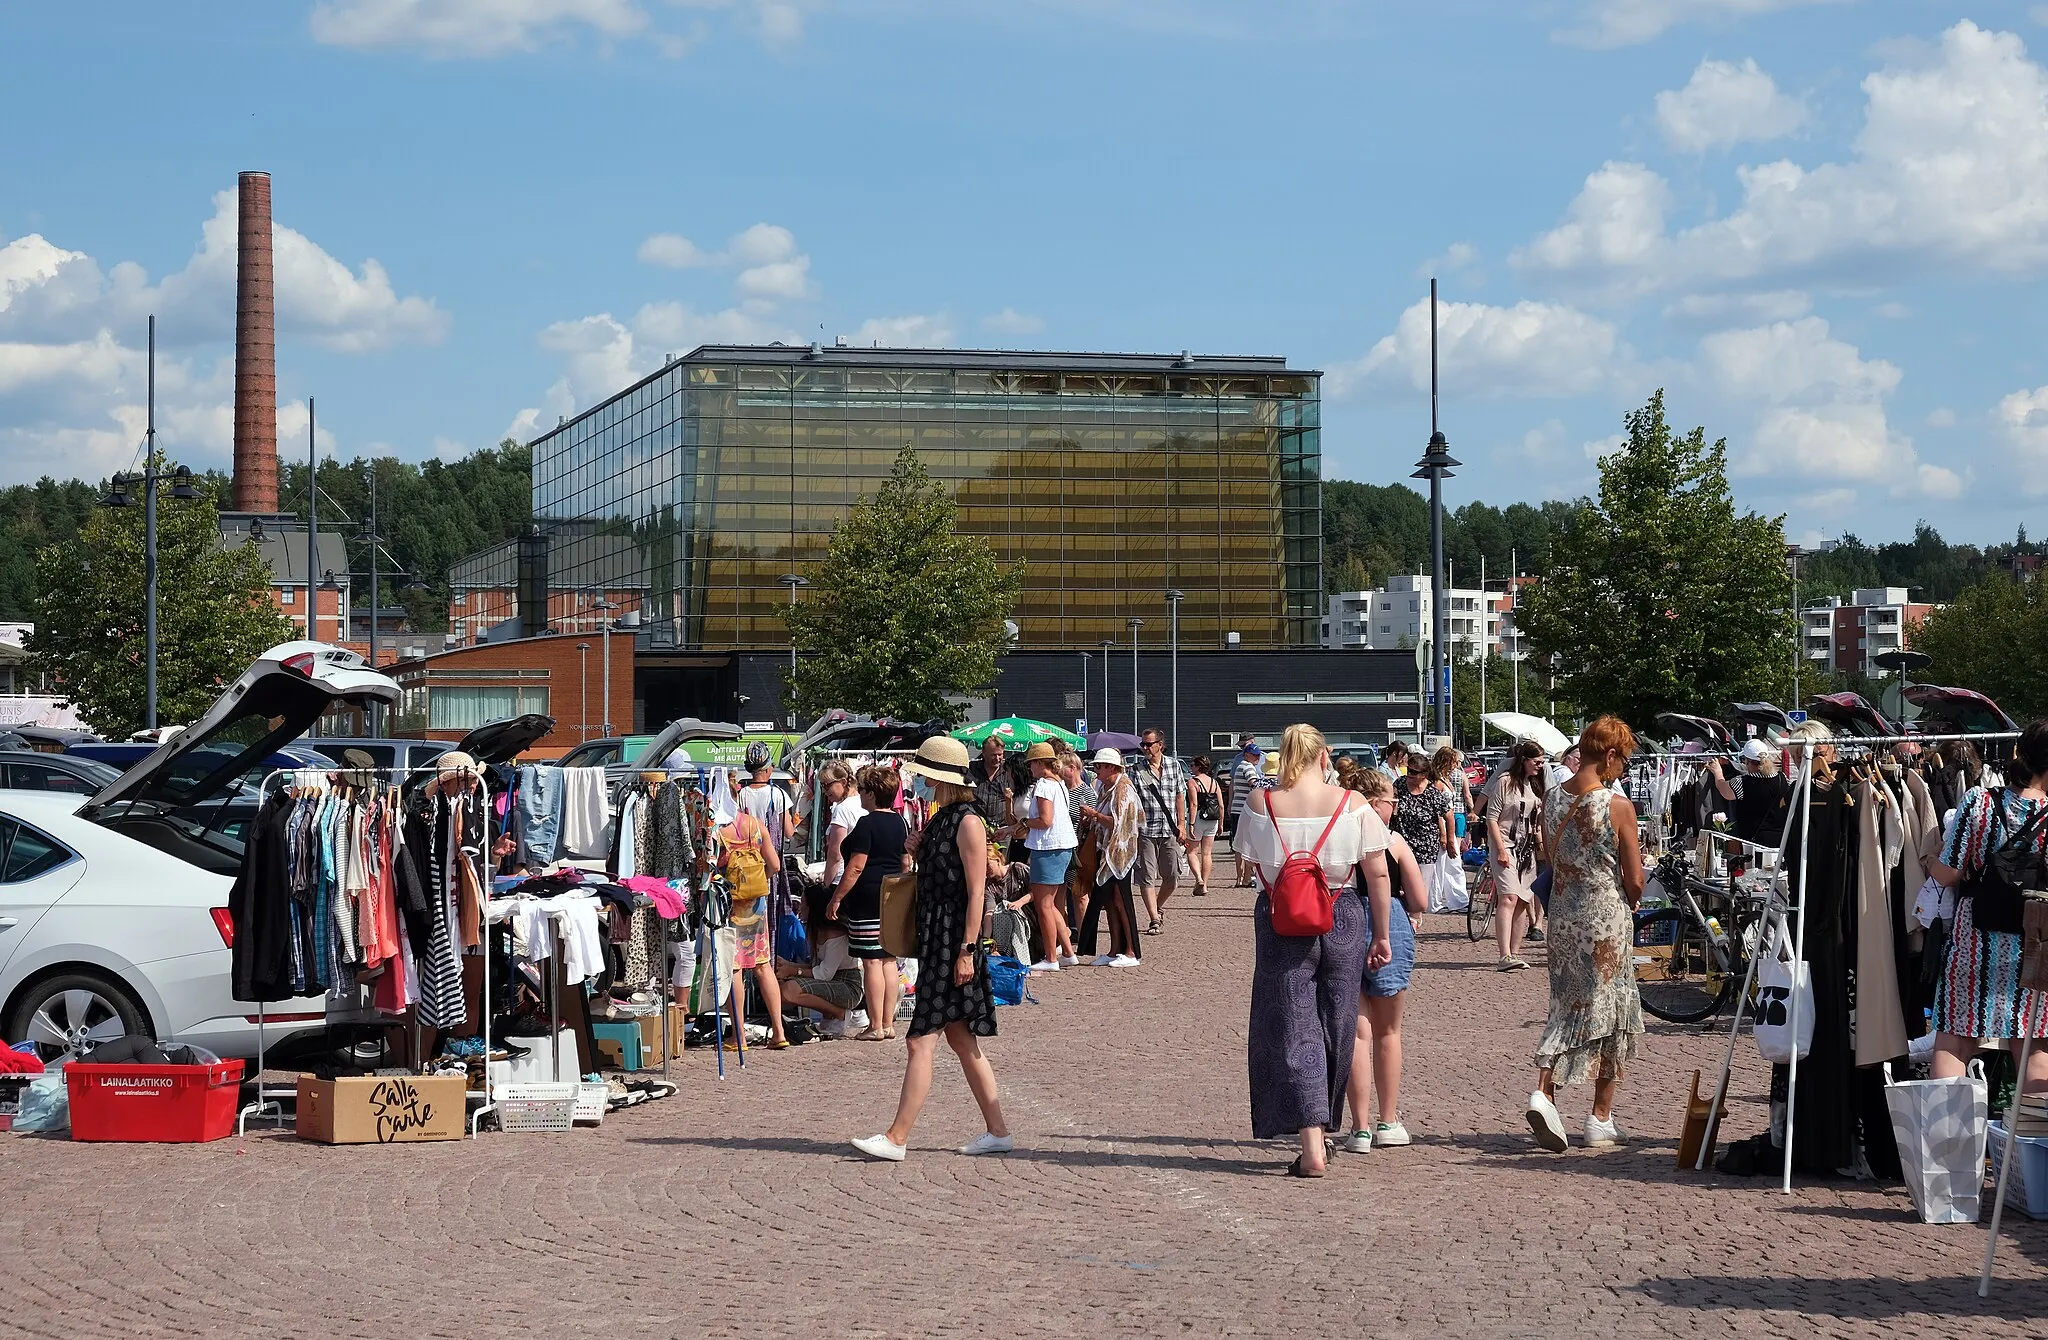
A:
(1300, 892)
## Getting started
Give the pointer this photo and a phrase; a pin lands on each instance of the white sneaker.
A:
(881, 1148)
(1390, 1135)
(1125, 961)
(1105, 960)
(1545, 1124)
(1604, 1134)
(1070, 961)
(1358, 1142)
(832, 1028)
(985, 1143)
(856, 1020)
(1046, 965)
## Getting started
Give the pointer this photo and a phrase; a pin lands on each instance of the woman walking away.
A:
(1513, 806)
(1597, 880)
(1304, 1015)
(1980, 996)
(1205, 820)
(1050, 839)
(1385, 989)
(953, 994)
(749, 858)
(873, 851)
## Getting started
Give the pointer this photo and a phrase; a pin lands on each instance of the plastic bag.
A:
(1777, 987)
(46, 1102)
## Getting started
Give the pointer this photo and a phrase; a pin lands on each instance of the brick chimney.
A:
(255, 352)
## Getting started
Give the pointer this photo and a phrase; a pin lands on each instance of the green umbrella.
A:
(1017, 733)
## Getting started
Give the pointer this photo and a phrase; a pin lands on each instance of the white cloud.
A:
(1720, 309)
(1010, 321)
(1941, 418)
(1950, 169)
(469, 27)
(1605, 446)
(1892, 311)
(72, 374)
(1724, 104)
(673, 251)
(915, 331)
(1530, 349)
(1620, 23)
(2023, 420)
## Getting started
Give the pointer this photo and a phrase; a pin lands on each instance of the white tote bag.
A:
(1778, 988)
(1446, 879)
(1941, 1130)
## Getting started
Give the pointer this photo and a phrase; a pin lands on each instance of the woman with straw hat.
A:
(953, 995)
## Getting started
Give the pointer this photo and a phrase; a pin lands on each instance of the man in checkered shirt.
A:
(1162, 786)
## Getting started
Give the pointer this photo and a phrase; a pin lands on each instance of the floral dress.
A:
(1595, 1013)
(1980, 994)
(942, 930)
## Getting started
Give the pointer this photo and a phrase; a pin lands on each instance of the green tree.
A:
(1660, 596)
(31, 517)
(1993, 637)
(214, 614)
(905, 611)
(1500, 697)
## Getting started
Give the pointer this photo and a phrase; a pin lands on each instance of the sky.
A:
(1820, 225)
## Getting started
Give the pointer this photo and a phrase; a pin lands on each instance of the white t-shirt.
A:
(768, 804)
(1059, 837)
(847, 812)
(832, 955)
(1354, 835)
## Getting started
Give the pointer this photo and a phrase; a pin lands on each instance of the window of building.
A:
(462, 707)
(288, 596)
(462, 597)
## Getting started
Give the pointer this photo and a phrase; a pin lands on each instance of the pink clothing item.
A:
(666, 900)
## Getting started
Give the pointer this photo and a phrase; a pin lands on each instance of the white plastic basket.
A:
(537, 1107)
(591, 1100)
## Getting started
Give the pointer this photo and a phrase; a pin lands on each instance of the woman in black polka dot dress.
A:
(953, 996)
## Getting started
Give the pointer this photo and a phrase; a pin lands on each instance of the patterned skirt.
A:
(1980, 994)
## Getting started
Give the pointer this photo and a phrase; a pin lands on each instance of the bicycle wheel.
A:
(1678, 973)
(1479, 912)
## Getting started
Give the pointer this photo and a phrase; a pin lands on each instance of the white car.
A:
(113, 914)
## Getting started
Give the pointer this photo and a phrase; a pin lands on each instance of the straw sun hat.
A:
(940, 759)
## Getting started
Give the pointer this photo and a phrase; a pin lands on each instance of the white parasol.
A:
(1523, 726)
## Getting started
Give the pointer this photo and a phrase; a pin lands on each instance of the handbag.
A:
(1784, 989)
(1302, 904)
(1997, 892)
(899, 913)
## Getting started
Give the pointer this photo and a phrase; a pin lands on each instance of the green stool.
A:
(625, 1037)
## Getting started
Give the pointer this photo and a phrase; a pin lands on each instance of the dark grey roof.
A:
(283, 546)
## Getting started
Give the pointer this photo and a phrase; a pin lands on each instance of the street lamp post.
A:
(1136, 623)
(583, 690)
(605, 605)
(182, 489)
(312, 526)
(1173, 598)
(1108, 646)
(1084, 688)
(1435, 466)
(792, 581)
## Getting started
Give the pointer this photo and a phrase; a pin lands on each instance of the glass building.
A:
(1113, 477)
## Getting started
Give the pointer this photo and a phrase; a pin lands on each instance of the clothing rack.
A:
(269, 1099)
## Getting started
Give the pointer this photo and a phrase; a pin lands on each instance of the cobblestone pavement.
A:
(1134, 1205)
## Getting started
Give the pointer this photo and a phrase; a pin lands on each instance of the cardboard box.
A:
(382, 1109)
(650, 1035)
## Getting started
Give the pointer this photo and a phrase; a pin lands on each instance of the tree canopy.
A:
(1660, 595)
(905, 612)
(214, 614)
(1993, 637)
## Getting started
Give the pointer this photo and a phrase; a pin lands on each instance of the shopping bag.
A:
(1941, 1131)
(717, 953)
(1778, 986)
(1009, 981)
(899, 914)
(1446, 879)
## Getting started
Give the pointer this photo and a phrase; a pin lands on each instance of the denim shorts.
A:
(1391, 980)
(1050, 867)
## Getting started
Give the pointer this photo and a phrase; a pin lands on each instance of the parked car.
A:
(384, 753)
(28, 770)
(124, 754)
(113, 913)
(719, 743)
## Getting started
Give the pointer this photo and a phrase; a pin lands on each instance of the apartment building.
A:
(1401, 615)
(1845, 636)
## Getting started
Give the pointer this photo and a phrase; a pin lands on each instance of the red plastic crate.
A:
(156, 1104)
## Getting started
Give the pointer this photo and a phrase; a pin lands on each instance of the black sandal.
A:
(1295, 1169)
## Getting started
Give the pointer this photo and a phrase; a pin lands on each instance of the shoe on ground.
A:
(1604, 1134)
(1105, 960)
(856, 1020)
(881, 1148)
(834, 1029)
(985, 1143)
(1510, 964)
(1391, 1135)
(1201, 890)
(1535, 935)
(1546, 1125)
(1358, 1142)
(1070, 961)
(1046, 965)
(1125, 961)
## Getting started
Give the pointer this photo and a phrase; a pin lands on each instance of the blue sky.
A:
(1822, 224)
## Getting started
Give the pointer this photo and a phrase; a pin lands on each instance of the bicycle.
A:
(1687, 960)
(1479, 911)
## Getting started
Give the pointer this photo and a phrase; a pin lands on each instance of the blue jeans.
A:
(540, 812)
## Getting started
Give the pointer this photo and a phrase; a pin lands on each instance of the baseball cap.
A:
(757, 755)
(1754, 751)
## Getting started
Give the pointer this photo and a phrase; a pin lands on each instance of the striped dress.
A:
(1980, 994)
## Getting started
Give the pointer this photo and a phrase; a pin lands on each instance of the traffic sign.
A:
(1796, 718)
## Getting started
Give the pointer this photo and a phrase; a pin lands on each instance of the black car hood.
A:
(1851, 713)
(503, 741)
(681, 731)
(1767, 716)
(1704, 729)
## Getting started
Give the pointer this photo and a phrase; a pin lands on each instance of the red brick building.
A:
(451, 692)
